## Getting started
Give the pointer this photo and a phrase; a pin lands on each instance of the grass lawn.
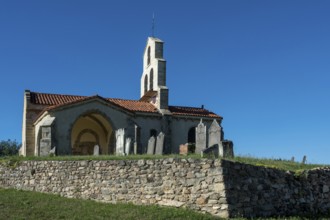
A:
(16, 204)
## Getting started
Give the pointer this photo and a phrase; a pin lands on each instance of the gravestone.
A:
(96, 150)
(160, 143)
(137, 140)
(210, 152)
(184, 149)
(120, 141)
(128, 146)
(228, 149)
(200, 137)
(52, 152)
(304, 160)
(215, 137)
(151, 145)
(45, 141)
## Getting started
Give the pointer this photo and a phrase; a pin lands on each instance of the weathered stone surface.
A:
(220, 187)
(160, 144)
(215, 137)
(200, 137)
(201, 201)
(96, 150)
(120, 141)
(151, 145)
(167, 202)
(45, 141)
(228, 149)
(184, 149)
(128, 146)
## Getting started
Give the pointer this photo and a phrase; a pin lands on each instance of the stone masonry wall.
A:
(219, 187)
(195, 184)
(255, 191)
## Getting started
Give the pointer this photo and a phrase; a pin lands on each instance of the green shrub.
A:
(9, 148)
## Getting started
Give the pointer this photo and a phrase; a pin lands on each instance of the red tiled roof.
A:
(192, 111)
(52, 99)
(135, 106)
(56, 100)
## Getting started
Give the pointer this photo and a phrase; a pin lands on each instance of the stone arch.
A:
(191, 140)
(151, 81)
(146, 83)
(91, 128)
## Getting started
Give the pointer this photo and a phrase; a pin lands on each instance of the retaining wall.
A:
(219, 187)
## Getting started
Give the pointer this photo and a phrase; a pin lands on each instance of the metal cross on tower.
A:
(153, 25)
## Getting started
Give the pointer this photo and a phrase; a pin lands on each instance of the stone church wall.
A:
(219, 187)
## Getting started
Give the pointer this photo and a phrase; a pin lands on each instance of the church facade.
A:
(74, 125)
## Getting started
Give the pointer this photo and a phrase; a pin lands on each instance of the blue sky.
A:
(263, 65)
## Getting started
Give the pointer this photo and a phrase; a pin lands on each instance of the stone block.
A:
(200, 137)
(184, 149)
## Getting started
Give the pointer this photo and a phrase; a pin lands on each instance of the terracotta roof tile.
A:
(52, 99)
(56, 100)
(192, 111)
(135, 106)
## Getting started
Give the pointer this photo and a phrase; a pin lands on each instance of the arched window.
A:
(151, 83)
(148, 61)
(192, 140)
(146, 84)
(153, 132)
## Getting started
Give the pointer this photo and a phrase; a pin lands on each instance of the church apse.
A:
(90, 130)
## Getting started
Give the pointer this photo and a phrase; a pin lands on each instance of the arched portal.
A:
(89, 130)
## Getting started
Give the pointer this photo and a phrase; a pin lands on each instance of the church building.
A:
(75, 125)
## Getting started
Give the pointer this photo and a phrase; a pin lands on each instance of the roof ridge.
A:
(181, 106)
(131, 100)
(47, 93)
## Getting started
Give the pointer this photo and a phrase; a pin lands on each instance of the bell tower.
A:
(153, 80)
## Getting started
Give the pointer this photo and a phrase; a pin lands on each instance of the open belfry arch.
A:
(154, 90)
(86, 125)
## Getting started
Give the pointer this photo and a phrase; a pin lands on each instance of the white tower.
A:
(153, 80)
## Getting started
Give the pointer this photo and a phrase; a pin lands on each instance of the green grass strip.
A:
(16, 204)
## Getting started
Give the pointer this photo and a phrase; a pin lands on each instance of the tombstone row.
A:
(216, 145)
(123, 145)
(156, 145)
